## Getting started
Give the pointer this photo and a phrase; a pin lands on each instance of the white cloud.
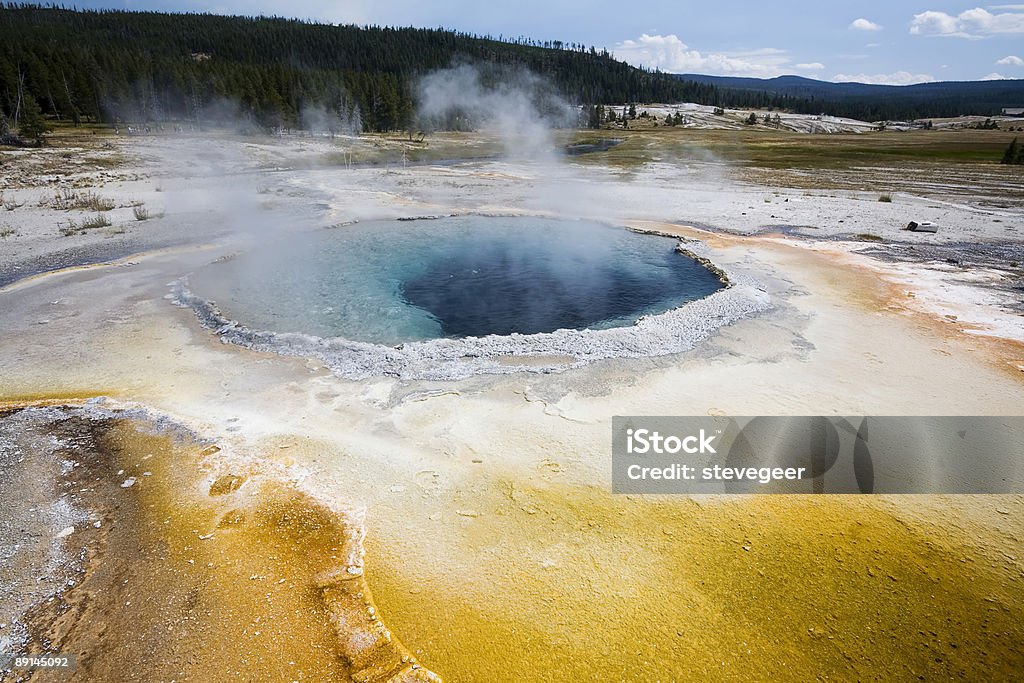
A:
(669, 53)
(1011, 60)
(864, 25)
(935, 23)
(994, 77)
(809, 66)
(897, 78)
(972, 24)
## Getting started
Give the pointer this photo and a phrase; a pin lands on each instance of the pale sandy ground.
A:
(704, 117)
(495, 550)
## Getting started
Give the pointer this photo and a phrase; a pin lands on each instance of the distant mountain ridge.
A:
(944, 98)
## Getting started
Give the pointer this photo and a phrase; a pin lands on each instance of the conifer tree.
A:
(33, 126)
(1013, 155)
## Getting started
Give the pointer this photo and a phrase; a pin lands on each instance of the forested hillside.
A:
(143, 66)
(115, 66)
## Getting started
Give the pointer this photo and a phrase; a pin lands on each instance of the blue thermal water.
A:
(390, 282)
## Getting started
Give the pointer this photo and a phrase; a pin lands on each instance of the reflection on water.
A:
(393, 282)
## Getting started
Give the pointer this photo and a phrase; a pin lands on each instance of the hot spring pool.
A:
(393, 282)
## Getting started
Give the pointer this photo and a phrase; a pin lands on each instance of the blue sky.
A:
(870, 41)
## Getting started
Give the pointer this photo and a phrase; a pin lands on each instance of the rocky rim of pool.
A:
(405, 277)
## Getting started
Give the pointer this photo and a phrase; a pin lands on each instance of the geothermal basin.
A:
(494, 548)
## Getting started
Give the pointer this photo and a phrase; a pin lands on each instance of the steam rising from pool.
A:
(393, 282)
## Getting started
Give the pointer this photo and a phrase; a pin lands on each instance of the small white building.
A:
(1013, 111)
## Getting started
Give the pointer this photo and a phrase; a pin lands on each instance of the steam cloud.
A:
(518, 106)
